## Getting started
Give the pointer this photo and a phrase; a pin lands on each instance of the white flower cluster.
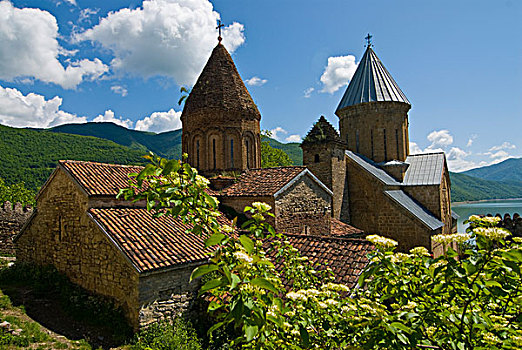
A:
(381, 241)
(202, 181)
(399, 257)
(261, 207)
(299, 295)
(420, 251)
(493, 233)
(336, 287)
(493, 220)
(454, 237)
(227, 229)
(243, 256)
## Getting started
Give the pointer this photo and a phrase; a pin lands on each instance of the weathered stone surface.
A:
(12, 218)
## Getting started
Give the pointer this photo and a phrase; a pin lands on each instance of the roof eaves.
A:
(73, 179)
(379, 174)
(435, 223)
(114, 243)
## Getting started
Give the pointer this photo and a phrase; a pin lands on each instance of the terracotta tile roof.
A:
(339, 228)
(100, 179)
(345, 256)
(151, 243)
(262, 182)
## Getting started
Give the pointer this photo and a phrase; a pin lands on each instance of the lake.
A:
(465, 210)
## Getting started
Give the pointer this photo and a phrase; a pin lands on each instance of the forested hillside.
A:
(30, 155)
(469, 188)
(509, 170)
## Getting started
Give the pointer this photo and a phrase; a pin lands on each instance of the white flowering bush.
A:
(465, 299)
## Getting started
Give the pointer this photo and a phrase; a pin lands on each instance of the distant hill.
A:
(469, 188)
(292, 149)
(31, 155)
(166, 144)
(509, 170)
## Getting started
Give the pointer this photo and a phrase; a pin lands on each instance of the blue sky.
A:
(458, 62)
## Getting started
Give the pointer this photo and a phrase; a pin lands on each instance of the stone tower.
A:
(220, 121)
(373, 113)
(323, 155)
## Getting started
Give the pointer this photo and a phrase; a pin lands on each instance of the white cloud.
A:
(71, 2)
(440, 138)
(293, 138)
(471, 140)
(505, 145)
(160, 121)
(86, 14)
(308, 92)
(414, 148)
(255, 81)
(108, 117)
(163, 37)
(338, 73)
(28, 38)
(32, 110)
(120, 90)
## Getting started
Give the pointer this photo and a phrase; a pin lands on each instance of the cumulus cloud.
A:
(28, 38)
(32, 110)
(120, 90)
(86, 14)
(108, 117)
(255, 81)
(471, 140)
(160, 121)
(279, 134)
(414, 148)
(440, 138)
(503, 146)
(308, 92)
(163, 37)
(338, 73)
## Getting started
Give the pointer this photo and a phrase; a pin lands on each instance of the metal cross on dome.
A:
(220, 25)
(369, 40)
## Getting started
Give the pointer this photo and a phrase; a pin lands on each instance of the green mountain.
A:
(166, 144)
(509, 170)
(30, 155)
(469, 188)
(292, 149)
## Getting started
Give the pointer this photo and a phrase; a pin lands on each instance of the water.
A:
(465, 210)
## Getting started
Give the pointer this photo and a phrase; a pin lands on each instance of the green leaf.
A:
(305, 337)
(263, 283)
(401, 326)
(169, 167)
(513, 255)
(251, 332)
(235, 281)
(216, 238)
(247, 243)
(211, 285)
(203, 270)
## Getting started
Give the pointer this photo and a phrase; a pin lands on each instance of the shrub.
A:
(176, 335)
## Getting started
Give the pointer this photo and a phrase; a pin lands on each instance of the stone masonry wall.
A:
(367, 123)
(373, 212)
(61, 234)
(239, 204)
(304, 208)
(166, 294)
(12, 219)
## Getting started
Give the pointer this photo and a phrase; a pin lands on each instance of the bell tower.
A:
(373, 113)
(220, 121)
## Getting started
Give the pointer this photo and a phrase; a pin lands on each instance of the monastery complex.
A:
(358, 181)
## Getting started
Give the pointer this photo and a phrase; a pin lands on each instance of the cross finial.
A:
(369, 40)
(220, 25)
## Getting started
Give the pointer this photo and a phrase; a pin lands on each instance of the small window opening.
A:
(232, 152)
(247, 153)
(371, 140)
(357, 141)
(316, 158)
(397, 142)
(214, 152)
(197, 154)
(385, 150)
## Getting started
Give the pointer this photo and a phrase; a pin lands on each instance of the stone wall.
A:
(304, 208)
(239, 204)
(365, 126)
(374, 213)
(513, 224)
(12, 218)
(62, 234)
(166, 294)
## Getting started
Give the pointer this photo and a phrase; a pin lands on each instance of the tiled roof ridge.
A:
(277, 167)
(67, 161)
(328, 238)
(425, 153)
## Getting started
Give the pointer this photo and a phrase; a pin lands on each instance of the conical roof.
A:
(220, 87)
(322, 131)
(371, 83)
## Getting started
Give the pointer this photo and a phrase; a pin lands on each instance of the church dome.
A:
(219, 87)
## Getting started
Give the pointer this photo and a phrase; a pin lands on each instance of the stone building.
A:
(377, 185)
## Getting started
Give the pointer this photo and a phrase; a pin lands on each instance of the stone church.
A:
(357, 182)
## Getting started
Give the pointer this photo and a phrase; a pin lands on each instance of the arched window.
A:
(397, 142)
(357, 141)
(316, 158)
(371, 140)
(385, 150)
(197, 154)
(232, 153)
(214, 153)
(247, 145)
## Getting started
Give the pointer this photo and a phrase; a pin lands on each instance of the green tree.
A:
(467, 301)
(16, 193)
(272, 157)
